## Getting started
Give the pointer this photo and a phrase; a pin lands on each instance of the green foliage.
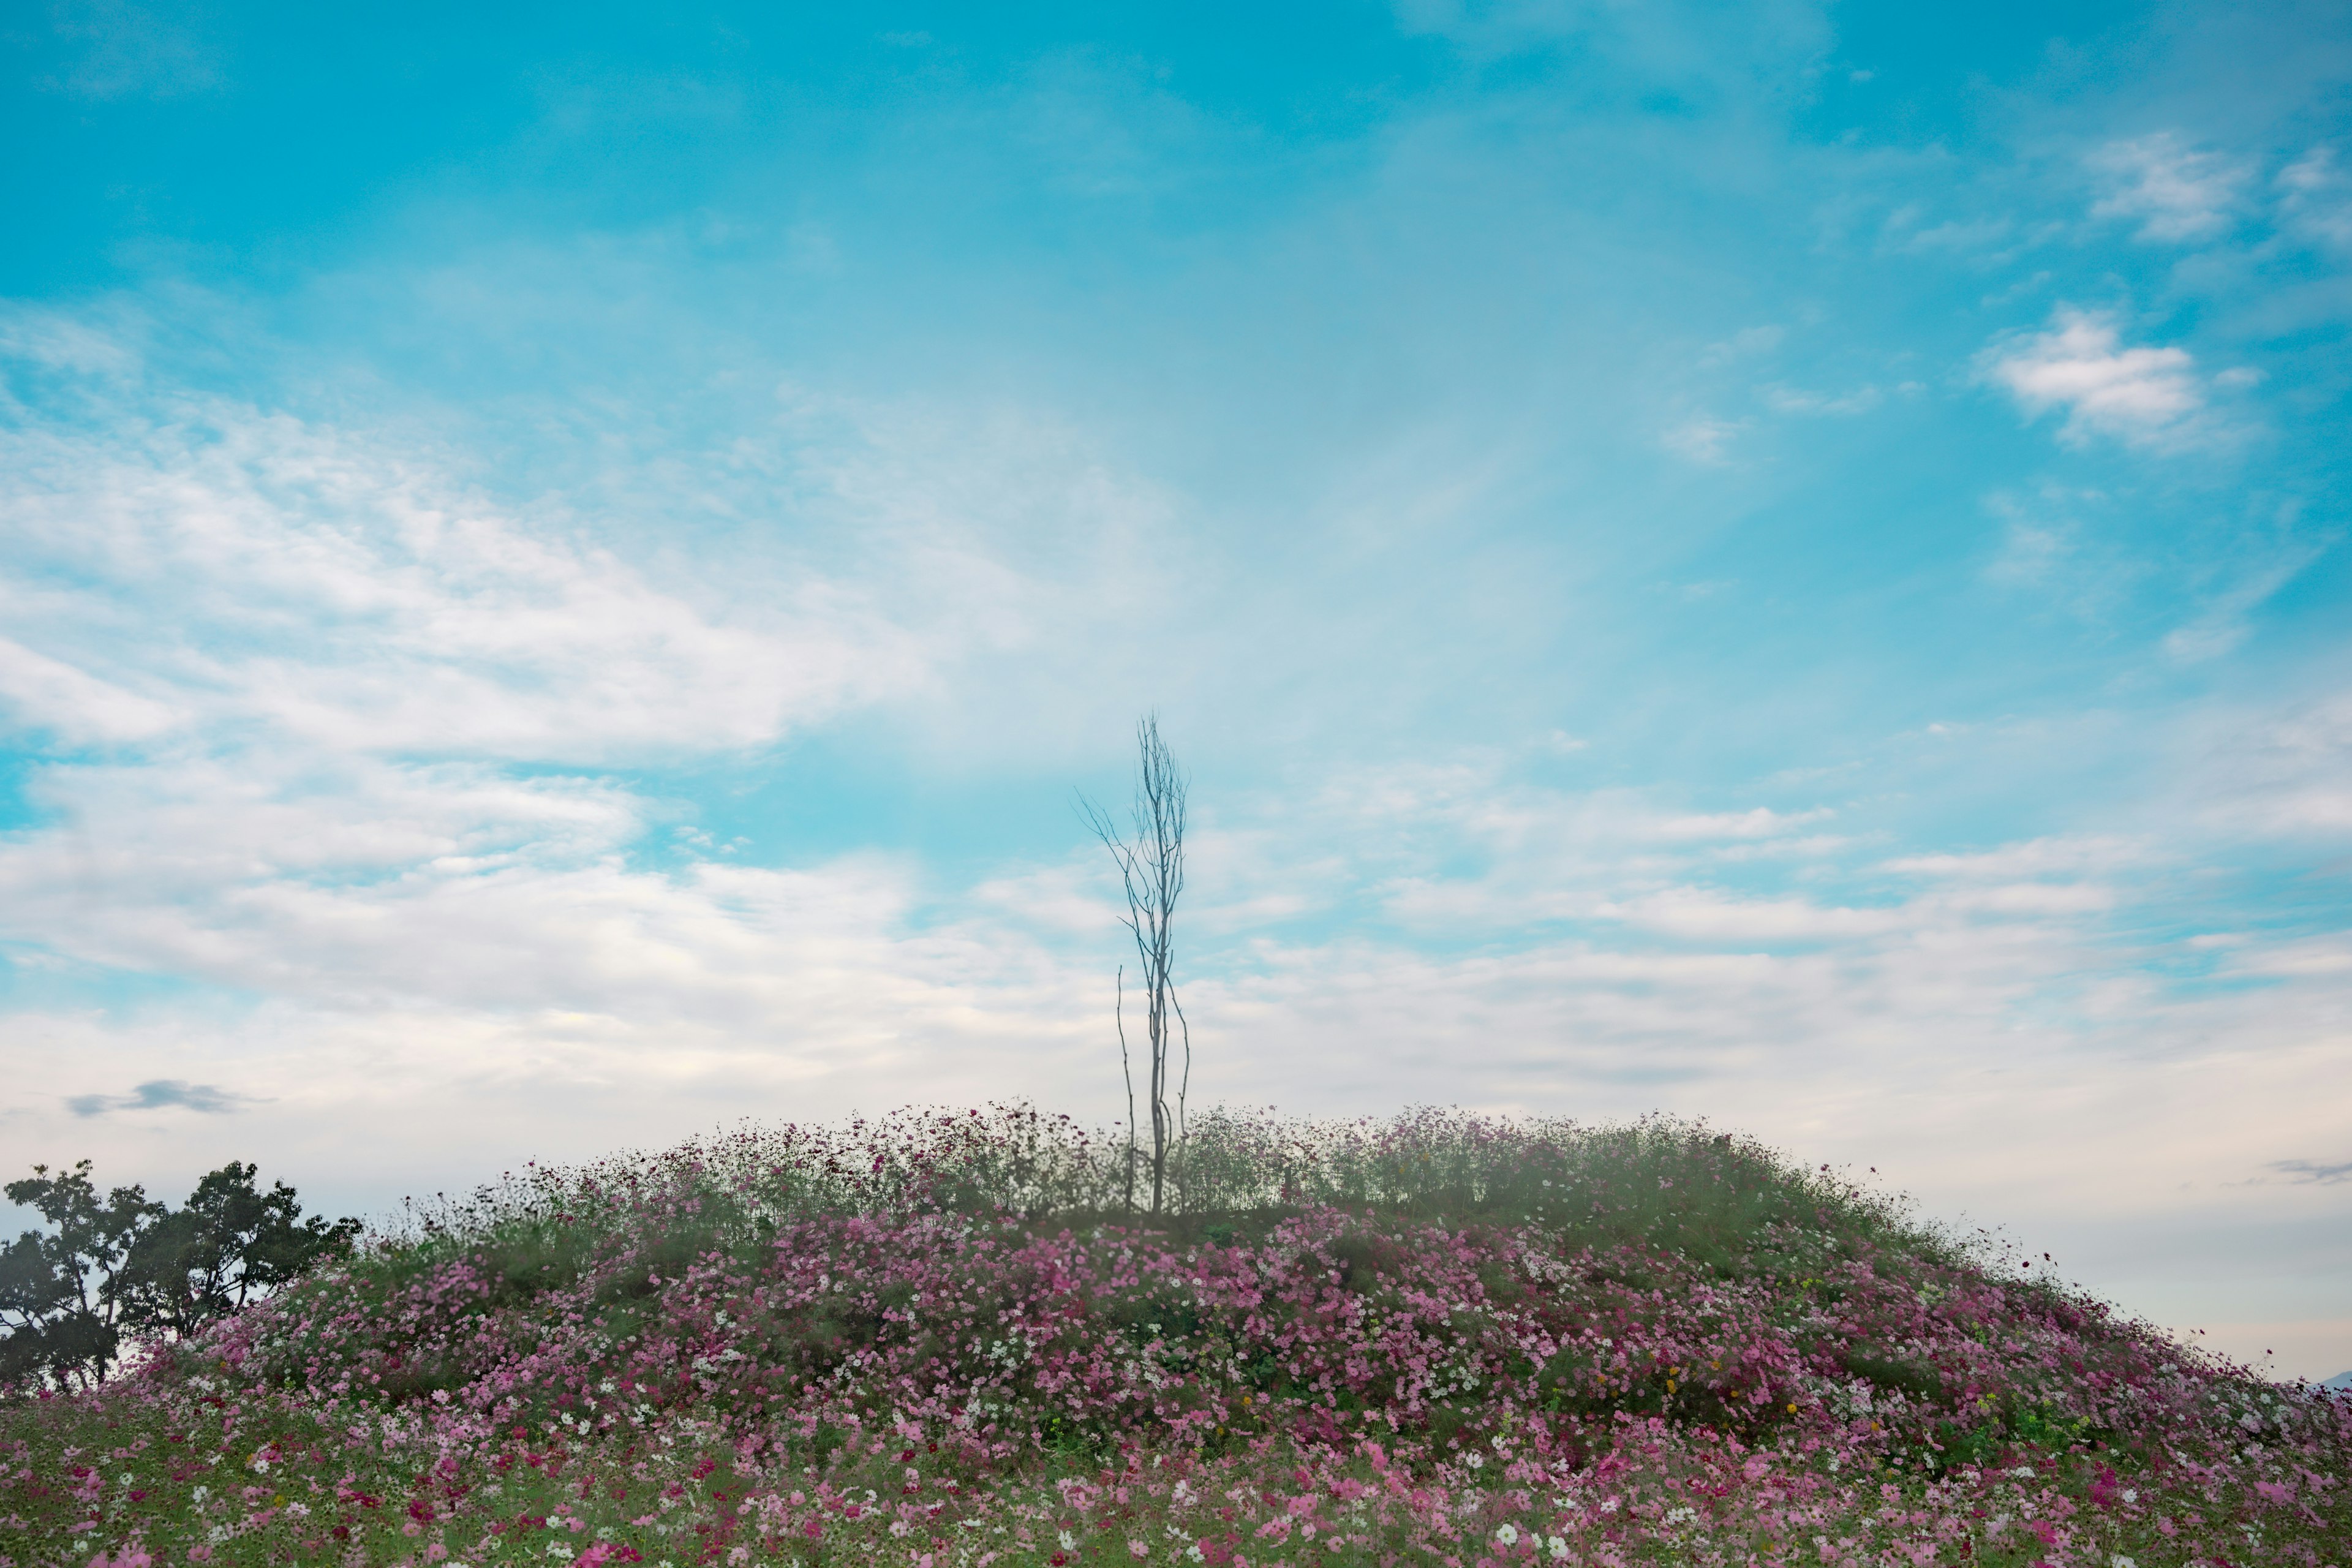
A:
(63, 1312)
(122, 1265)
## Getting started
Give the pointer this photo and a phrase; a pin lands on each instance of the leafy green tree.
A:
(231, 1243)
(66, 1320)
(124, 1265)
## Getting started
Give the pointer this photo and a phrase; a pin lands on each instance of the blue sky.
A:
(559, 569)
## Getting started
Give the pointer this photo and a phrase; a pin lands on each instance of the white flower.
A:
(1193, 1553)
(2122, 1561)
(1508, 1534)
(1555, 1546)
(1474, 1459)
(1069, 1542)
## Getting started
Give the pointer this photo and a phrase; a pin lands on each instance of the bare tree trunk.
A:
(1183, 1084)
(1150, 860)
(1126, 1073)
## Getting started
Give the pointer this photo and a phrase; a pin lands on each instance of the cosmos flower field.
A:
(942, 1339)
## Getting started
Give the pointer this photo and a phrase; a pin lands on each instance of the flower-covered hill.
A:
(944, 1338)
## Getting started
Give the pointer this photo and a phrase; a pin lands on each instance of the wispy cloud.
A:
(2176, 191)
(2282, 772)
(117, 48)
(2315, 197)
(304, 716)
(1706, 441)
(1748, 342)
(285, 576)
(2314, 1171)
(1784, 399)
(161, 1094)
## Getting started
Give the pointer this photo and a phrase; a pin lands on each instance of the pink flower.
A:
(604, 1553)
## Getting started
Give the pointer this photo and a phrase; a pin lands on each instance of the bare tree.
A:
(1150, 860)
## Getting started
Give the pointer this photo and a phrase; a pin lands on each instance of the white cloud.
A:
(1702, 440)
(2146, 397)
(117, 48)
(1961, 236)
(1703, 914)
(2315, 197)
(60, 341)
(46, 694)
(1783, 399)
(2282, 771)
(285, 575)
(353, 712)
(1759, 822)
(2178, 193)
(1745, 343)
(2264, 566)
(2073, 855)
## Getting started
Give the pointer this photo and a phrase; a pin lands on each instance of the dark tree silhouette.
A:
(123, 1265)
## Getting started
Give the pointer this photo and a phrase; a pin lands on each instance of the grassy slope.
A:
(943, 1339)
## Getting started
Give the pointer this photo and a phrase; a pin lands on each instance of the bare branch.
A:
(1151, 861)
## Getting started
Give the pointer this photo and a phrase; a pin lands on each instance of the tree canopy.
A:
(121, 1266)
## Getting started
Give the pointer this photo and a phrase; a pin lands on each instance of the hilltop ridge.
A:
(942, 1336)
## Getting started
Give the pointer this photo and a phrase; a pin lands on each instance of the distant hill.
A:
(2341, 1380)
